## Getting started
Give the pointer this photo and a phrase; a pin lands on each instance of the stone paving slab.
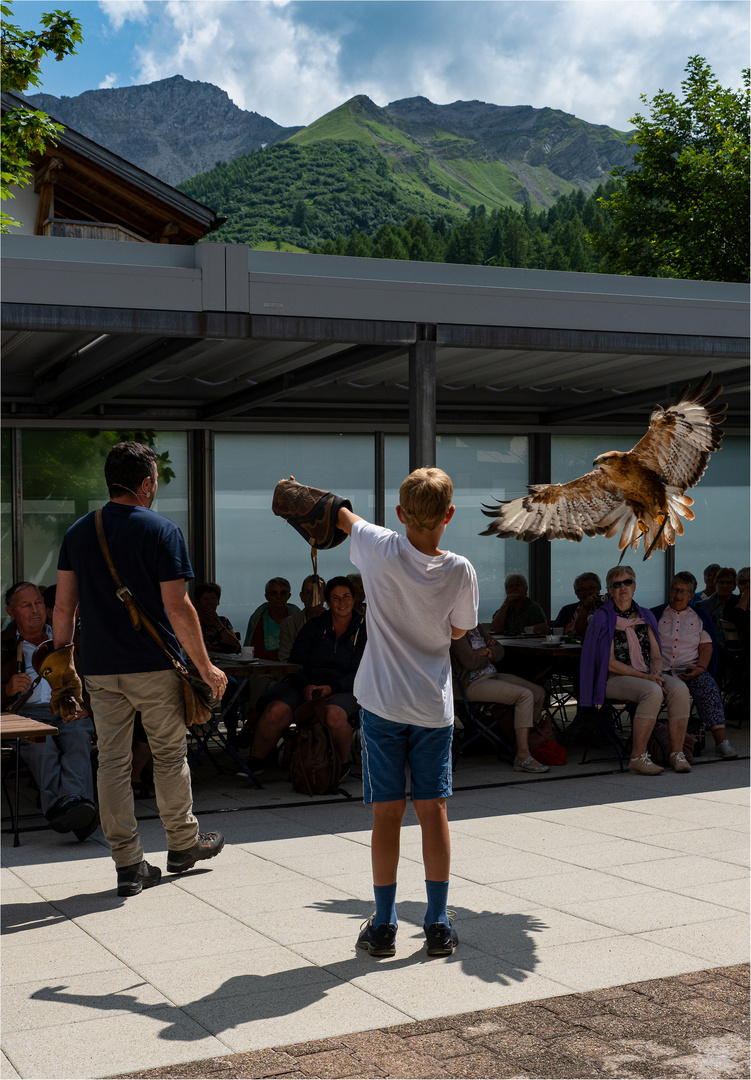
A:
(563, 890)
(693, 1025)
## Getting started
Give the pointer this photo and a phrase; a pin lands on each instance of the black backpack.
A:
(315, 768)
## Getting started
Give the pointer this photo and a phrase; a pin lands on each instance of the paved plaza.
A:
(570, 888)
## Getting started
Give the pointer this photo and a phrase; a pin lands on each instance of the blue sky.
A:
(294, 60)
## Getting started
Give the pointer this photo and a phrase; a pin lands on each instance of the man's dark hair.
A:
(686, 578)
(334, 583)
(128, 464)
(207, 586)
(16, 588)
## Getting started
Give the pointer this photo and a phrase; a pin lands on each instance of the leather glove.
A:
(311, 511)
(57, 667)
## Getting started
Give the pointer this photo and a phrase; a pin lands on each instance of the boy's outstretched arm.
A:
(345, 519)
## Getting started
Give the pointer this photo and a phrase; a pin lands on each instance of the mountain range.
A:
(356, 167)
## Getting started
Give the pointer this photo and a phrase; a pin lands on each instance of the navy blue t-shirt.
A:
(146, 549)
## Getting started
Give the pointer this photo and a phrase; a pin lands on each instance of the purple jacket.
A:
(593, 673)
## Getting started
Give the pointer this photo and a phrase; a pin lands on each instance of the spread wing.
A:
(567, 511)
(681, 438)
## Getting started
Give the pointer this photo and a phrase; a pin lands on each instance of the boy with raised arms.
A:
(419, 598)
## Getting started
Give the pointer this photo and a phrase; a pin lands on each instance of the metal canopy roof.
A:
(216, 335)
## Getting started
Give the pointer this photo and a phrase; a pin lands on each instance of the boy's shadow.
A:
(504, 953)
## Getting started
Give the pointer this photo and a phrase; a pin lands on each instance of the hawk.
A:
(641, 492)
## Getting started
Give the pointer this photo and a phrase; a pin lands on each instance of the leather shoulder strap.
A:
(137, 616)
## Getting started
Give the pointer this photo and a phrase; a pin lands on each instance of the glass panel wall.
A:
(6, 535)
(482, 468)
(720, 530)
(63, 479)
(252, 545)
(572, 456)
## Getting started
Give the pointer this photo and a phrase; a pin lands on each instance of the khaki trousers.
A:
(527, 697)
(115, 700)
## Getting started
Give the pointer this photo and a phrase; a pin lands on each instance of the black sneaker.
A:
(87, 830)
(441, 939)
(70, 813)
(378, 940)
(207, 845)
(132, 879)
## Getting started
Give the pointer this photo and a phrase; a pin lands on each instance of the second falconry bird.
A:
(640, 492)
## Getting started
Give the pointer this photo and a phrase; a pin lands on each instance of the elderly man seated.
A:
(689, 652)
(61, 764)
(574, 617)
(311, 595)
(621, 660)
(517, 611)
(710, 575)
(265, 622)
(330, 649)
(218, 635)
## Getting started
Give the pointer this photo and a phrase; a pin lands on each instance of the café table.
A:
(243, 670)
(560, 656)
(13, 728)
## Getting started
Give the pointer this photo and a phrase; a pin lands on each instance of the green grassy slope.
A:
(359, 167)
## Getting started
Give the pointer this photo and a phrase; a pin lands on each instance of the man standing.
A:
(60, 765)
(126, 671)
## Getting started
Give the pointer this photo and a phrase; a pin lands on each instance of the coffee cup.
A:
(247, 652)
(529, 629)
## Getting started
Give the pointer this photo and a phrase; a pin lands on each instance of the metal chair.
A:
(480, 723)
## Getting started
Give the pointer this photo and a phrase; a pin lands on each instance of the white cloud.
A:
(108, 81)
(122, 11)
(296, 61)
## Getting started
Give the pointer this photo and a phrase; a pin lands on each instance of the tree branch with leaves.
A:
(28, 131)
(683, 210)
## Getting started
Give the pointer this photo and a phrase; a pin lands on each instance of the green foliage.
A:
(28, 131)
(682, 210)
(305, 195)
(69, 465)
(554, 239)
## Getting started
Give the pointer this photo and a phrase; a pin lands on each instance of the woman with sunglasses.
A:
(622, 660)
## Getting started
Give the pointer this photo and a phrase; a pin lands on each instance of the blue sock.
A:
(385, 899)
(438, 893)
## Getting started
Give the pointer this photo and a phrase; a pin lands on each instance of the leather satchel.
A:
(197, 694)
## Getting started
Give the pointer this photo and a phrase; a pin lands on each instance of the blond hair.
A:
(425, 497)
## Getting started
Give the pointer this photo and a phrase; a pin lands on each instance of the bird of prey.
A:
(641, 492)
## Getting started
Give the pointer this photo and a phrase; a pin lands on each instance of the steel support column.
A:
(16, 503)
(422, 398)
(379, 510)
(201, 504)
(539, 551)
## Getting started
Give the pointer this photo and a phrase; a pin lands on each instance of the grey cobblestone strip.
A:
(686, 1026)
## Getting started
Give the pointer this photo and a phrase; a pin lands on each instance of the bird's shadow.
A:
(495, 948)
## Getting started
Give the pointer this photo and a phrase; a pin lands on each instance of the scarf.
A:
(628, 623)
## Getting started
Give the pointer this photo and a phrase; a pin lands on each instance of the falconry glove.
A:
(57, 667)
(311, 511)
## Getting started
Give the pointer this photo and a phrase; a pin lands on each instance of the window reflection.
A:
(482, 468)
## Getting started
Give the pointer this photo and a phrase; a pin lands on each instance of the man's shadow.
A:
(507, 954)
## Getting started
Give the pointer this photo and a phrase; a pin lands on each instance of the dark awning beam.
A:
(734, 380)
(132, 372)
(340, 366)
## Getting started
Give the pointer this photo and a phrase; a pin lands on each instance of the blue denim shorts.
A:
(387, 746)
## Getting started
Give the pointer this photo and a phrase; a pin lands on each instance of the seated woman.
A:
(517, 611)
(218, 635)
(264, 623)
(330, 649)
(473, 657)
(689, 652)
(621, 659)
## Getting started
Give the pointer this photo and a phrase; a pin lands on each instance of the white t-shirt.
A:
(412, 602)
